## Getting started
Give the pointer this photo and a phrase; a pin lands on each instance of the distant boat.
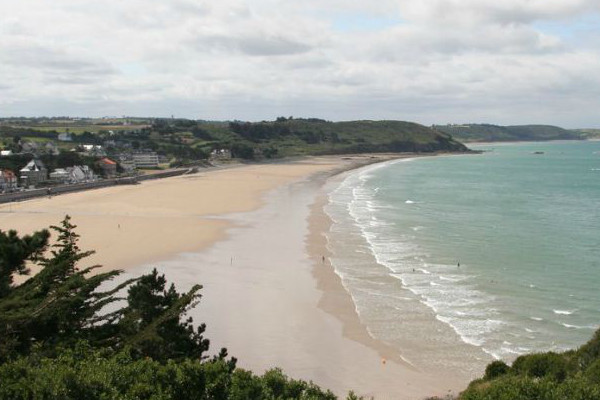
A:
(538, 152)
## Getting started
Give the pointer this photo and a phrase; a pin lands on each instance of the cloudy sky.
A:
(429, 61)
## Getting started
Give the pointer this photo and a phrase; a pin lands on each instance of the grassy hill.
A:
(315, 136)
(496, 133)
(182, 140)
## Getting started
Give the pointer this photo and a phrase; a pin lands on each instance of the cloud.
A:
(428, 60)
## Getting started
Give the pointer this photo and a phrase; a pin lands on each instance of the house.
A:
(76, 174)
(51, 148)
(65, 137)
(94, 150)
(81, 173)
(220, 154)
(8, 181)
(147, 159)
(29, 147)
(108, 166)
(33, 173)
(126, 162)
(59, 175)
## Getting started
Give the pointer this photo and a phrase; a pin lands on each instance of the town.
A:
(47, 153)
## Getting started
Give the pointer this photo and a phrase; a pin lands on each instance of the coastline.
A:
(251, 288)
(405, 380)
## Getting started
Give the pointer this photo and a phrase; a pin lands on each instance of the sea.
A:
(485, 256)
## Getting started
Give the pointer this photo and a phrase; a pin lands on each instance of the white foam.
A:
(536, 318)
(569, 326)
(409, 202)
(564, 312)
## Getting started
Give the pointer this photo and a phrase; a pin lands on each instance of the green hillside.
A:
(315, 136)
(497, 133)
(574, 374)
(184, 140)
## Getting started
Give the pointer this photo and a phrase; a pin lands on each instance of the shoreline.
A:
(336, 351)
(335, 299)
(130, 225)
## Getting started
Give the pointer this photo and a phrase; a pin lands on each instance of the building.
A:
(51, 148)
(108, 166)
(8, 181)
(33, 173)
(65, 137)
(220, 154)
(6, 153)
(126, 162)
(59, 175)
(94, 150)
(81, 173)
(148, 159)
(76, 174)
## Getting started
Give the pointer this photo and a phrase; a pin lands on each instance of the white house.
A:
(33, 173)
(147, 159)
(81, 173)
(59, 175)
(76, 174)
(65, 137)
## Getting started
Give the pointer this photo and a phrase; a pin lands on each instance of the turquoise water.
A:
(501, 250)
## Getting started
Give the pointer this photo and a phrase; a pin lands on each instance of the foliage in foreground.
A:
(63, 336)
(549, 376)
(85, 373)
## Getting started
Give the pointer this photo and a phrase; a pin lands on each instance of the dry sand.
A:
(131, 225)
(269, 296)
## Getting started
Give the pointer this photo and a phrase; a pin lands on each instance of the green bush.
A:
(542, 365)
(496, 369)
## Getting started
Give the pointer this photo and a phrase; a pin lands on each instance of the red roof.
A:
(8, 173)
(108, 161)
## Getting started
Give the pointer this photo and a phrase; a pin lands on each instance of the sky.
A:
(427, 61)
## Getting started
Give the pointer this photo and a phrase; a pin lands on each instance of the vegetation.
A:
(588, 133)
(64, 335)
(495, 133)
(183, 140)
(573, 374)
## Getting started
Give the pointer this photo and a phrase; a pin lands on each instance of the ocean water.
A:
(474, 257)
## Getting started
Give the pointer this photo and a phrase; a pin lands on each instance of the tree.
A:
(14, 252)
(151, 321)
(62, 304)
(59, 304)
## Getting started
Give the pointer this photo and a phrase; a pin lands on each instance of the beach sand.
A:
(253, 237)
(129, 225)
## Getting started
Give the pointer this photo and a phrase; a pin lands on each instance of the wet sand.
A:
(253, 237)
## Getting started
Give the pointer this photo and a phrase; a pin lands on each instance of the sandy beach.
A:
(253, 237)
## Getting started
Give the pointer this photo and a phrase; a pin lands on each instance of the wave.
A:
(564, 312)
(409, 202)
(569, 326)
